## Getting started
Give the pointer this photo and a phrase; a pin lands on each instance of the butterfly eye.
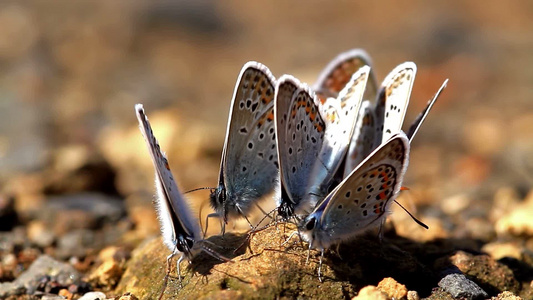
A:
(310, 225)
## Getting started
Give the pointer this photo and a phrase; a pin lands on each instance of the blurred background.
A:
(75, 174)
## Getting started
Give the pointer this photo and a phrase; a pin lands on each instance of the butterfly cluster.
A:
(333, 154)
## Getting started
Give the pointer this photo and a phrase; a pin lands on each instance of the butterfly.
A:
(378, 122)
(338, 72)
(249, 164)
(311, 144)
(179, 229)
(361, 201)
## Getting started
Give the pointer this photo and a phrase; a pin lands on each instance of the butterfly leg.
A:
(165, 281)
(381, 229)
(320, 265)
(207, 222)
(337, 250)
(290, 237)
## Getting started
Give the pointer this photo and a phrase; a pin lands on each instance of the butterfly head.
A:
(308, 228)
(218, 201)
(286, 209)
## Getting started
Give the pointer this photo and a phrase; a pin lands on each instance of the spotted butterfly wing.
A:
(361, 200)
(362, 140)
(392, 101)
(338, 73)
(340, 121)
(249, 165)
(179, 228)
(300, 135)
(413, 129)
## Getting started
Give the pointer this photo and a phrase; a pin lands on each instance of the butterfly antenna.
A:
(198, 189)
(412, 217)
(200, 218)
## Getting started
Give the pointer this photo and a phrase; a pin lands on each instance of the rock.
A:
(518, 221)
(506, 296)
(371, 293)
(499, 250)
(272, 270)
(44, 274)
(393, 289)
(81, 211)
(490, 275)
(75, 169)
(77, 243)
(111, 268)
(52, 297)
(93, 296)
(40, 234)
(412, 295)
(461, 287)
(439, 294)
(128, 296)
(455, 204)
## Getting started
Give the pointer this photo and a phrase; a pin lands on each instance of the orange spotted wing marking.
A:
(338, 73)
(363, 197)
(250, 162)
(300, 133)
(392, 101)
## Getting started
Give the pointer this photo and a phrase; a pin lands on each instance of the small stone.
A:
(107, 274)
(461, 287)
(128, 296)
(93, 296)
(392, 288)
(52, 297)
(491, 275)
(412, 295)
(65, 293)
(77, 243)
(40, 234)
(43, 268)
(506, 296)
(498, 250)
(518, 221)
(370, 293)
(455, 204)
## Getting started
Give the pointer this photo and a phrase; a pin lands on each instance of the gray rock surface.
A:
(43, 270)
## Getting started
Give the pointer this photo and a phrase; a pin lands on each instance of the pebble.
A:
(490, 274)
(40, 234)
(107, 274)
(44, 273)
(413, 295)
(128, 296)
(461, 287)
(370, 293)
(507, 296)
(392, 288)
(93, 296)
(518, 221)
(499, 250)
